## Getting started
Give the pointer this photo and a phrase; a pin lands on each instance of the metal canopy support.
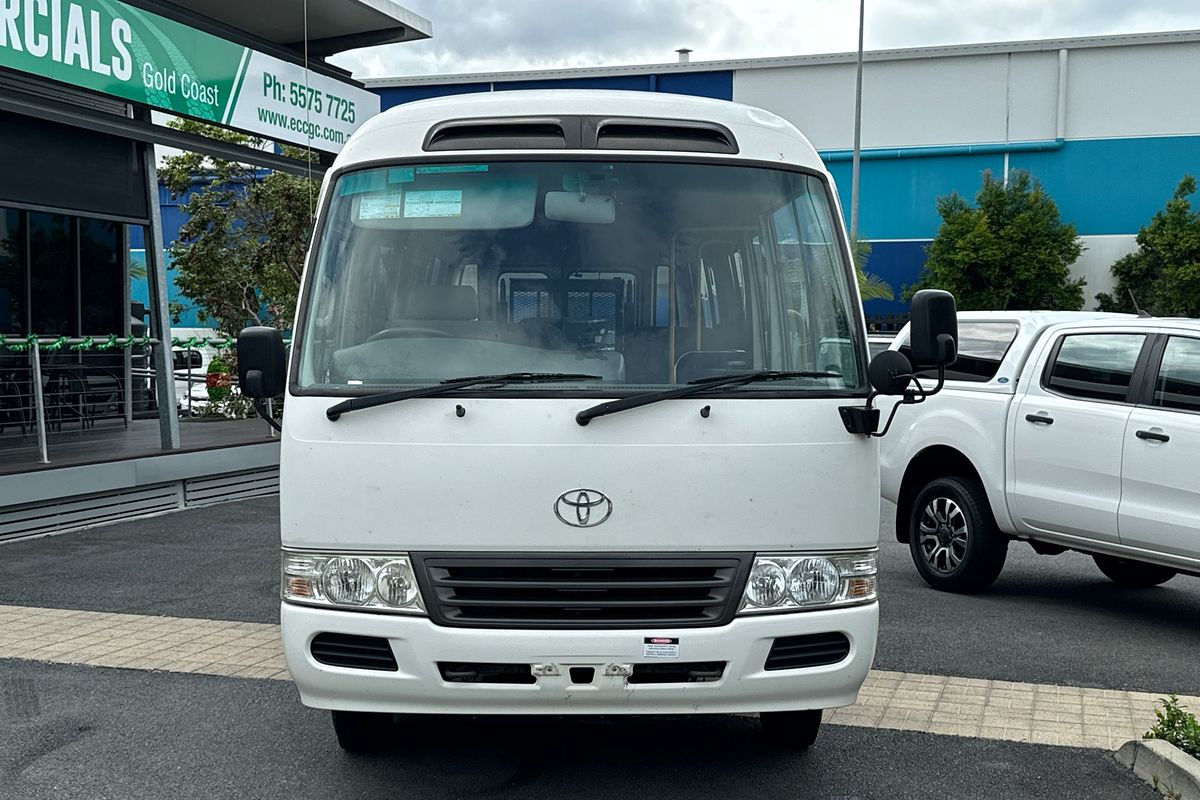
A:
(160, 319)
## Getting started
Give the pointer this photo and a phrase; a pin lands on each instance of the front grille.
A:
(550, 591)
(814, 650)
(355, 652)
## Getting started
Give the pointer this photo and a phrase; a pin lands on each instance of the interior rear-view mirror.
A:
(933, 334)
(579, 207)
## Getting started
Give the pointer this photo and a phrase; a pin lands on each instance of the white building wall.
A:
(1134, 91)
(1137, 90)
(1032, 96)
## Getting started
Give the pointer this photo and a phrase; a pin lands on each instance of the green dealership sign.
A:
(111, 47)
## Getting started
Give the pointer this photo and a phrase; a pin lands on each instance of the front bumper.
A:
(419, 645)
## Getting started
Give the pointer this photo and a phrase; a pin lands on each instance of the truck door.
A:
(1160, 497)
(1069, 427)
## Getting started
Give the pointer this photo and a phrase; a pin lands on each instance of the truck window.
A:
(1178, 383)
(647, 274)
(1094, 366)
(981, 348)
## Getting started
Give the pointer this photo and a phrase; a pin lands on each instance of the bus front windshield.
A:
(647, 275)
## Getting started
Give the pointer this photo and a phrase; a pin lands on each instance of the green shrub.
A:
(1176, 725)
(218, 380)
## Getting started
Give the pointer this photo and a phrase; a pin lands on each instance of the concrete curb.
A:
(1164, 766)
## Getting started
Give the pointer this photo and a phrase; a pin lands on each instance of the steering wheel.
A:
(404, 333)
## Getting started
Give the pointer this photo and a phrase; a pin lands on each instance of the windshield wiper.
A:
(453, 384)
(693, 387)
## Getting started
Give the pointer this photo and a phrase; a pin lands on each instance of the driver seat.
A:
(441, 303)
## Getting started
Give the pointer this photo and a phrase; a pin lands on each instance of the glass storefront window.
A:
(12, 273)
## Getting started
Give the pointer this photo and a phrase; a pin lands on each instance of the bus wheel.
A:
(795, 730)
(362, 731)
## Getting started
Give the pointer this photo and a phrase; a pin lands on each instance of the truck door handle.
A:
(1152, 436)
(1039, 419)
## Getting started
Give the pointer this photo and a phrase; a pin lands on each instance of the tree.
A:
(1163, 274)
(870, 285)
(241, 252)
(1010, 251)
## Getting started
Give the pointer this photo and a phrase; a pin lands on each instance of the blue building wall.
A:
(173, 218)
(717, 84)
(1102, 186)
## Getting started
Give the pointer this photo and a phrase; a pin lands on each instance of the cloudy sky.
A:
(501, 35)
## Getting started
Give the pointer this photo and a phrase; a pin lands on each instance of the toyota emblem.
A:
(583, 508)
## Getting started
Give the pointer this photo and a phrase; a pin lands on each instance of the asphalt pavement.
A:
(1048, 619)
(88, 732)
(82, 732)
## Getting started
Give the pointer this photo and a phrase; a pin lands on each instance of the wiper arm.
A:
(694, 387)
(448, 386)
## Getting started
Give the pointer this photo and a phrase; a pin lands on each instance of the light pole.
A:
(857, 128)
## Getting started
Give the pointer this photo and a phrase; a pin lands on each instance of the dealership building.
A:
(90, 428)
(1108, 125)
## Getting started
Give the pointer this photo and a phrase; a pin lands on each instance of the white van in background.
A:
(564, 434)
(190, 365)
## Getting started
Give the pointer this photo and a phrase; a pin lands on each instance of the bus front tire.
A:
(362, 731)
(794, 730)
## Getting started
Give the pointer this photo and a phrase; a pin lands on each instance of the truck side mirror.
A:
(261, 362)
(933, 335)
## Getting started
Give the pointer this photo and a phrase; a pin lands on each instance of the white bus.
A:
(561, 432)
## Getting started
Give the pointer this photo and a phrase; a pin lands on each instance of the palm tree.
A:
(870, 286)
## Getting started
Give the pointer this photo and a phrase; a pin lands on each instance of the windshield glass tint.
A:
(648, 275)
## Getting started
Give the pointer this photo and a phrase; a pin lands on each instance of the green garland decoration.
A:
(113, 342)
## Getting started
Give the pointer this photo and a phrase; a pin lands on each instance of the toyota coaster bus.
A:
(564, 433)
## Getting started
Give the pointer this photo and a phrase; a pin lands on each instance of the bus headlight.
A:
(367, 582)
(807, 581)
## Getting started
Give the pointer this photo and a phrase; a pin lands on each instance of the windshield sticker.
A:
(379, 206)
(434, 203)
(443, 168)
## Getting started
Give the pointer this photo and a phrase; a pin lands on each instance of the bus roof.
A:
(401, 132)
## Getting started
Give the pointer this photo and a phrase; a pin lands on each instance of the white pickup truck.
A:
(1072, 431)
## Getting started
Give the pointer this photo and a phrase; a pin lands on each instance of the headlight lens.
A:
(813, 581)
(806, 581)
(767, 585)
(347, 581)
(369, 582)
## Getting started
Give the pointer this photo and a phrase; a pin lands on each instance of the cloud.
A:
(474, 36)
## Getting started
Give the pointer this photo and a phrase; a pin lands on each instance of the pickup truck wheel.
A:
(795, 730)
(362, 731)
(953, 537)
(1133, 573)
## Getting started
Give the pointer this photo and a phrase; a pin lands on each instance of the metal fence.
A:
(886, 323)
(52, 386)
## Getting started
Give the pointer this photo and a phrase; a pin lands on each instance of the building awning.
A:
(333, 25)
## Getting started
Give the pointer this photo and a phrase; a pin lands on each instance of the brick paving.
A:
(938, 704)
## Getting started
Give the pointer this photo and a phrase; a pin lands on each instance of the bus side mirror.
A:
(261, 362)
(890, 373)
(933, 342)
(933, 334)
